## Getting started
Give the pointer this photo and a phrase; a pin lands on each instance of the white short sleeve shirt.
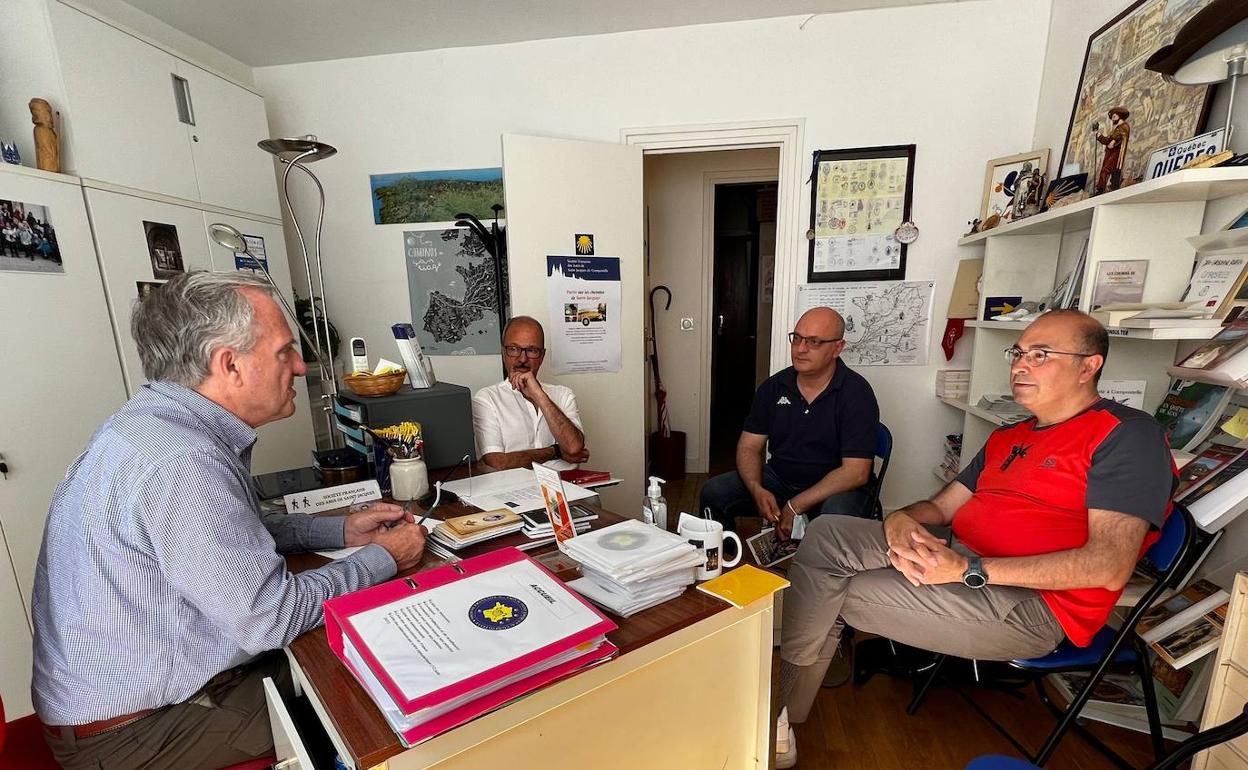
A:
(503, 420)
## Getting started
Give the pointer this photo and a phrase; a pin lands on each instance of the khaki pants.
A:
(225, 723)
(841, 574)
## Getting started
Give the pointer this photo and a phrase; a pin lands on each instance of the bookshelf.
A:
(1159, 220)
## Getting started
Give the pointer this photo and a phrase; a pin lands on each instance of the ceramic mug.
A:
(708, 535)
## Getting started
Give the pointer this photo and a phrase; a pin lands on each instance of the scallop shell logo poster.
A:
(583, 301)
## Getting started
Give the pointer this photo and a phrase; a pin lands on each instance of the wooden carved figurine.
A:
(47, 146)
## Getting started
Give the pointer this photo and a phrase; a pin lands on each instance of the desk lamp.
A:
(1210, 48)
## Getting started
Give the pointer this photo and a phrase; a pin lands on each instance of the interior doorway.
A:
(711, 240)
(743, 281)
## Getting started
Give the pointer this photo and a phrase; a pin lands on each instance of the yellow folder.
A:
(744, 585)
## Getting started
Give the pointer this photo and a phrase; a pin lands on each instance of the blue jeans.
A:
(728, 498)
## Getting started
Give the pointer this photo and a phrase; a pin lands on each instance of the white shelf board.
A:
(1220, 240)
(1197, 184)
(1164, 333)
(982, 414)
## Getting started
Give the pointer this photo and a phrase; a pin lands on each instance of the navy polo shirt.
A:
(808, 440)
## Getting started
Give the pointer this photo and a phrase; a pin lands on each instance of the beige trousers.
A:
(841, 574)
(225, 723)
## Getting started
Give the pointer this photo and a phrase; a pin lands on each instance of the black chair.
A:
(1119, 649)
(1227, 731)
(883, 450)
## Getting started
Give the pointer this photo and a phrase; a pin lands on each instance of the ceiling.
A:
(266, 32)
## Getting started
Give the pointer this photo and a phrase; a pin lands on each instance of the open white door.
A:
(556, 188)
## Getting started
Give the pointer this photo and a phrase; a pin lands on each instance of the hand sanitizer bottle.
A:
(654, 506)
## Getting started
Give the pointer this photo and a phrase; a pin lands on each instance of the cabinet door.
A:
(62, 380)
(121, 116)
(287, 443)
(232, 171)
(128, 230)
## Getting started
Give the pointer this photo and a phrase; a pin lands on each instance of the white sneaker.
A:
(786, 742)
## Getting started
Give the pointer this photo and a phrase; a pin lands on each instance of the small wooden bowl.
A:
(371, 387)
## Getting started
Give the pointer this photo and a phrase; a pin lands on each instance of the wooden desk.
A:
(690, 689)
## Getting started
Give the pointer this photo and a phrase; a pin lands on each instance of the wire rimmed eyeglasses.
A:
(812, 342)
(1037, 356)
(514, 351)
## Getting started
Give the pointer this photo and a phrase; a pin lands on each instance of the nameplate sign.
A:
(329, 498)
(1175, 156)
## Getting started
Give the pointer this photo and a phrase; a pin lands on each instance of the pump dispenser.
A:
(654, 506)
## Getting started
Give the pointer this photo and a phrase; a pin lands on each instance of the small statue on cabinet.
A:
(9, 153)
(47, 146)
(974, 226)
(1116, 141)
(1029, 192)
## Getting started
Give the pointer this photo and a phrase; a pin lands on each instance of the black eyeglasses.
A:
(1037, 356)
(514, 351)
(812, 342)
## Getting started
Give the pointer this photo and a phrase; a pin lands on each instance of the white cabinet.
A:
(121, 238)
(62, 379)
(141, 117)
(232, 171)
(121, 115)
(1151, 220)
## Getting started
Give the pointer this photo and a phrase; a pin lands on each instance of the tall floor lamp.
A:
(294, 153)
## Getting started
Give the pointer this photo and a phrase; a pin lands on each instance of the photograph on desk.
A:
(446, 645)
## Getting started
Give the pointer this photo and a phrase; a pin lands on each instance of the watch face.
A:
(974, 580)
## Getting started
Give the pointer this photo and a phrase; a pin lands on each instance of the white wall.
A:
(931, 75)
(675, 185)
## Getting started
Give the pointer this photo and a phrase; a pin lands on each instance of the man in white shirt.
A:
(520, 421)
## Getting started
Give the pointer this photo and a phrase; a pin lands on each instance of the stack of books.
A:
(444, 646)
(951, 464)
(537, 524)
(631, 566)
(463, 531)
(953, 383)
(1004, 407)
(1222, 360)
(1214, 486)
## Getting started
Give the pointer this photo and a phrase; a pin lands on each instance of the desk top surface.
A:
(361, 725)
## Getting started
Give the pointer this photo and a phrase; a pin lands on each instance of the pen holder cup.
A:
(409, 478)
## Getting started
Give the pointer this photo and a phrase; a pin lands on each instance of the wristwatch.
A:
(558, 451)
(974, 577)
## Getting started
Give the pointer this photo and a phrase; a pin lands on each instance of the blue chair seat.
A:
(1068, 656)
(999, 762)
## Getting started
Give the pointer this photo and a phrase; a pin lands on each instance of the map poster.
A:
(453, 294)
(886, 322)
(583, 302)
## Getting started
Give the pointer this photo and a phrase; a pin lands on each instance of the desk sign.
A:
(329, 498)
(1175, 156)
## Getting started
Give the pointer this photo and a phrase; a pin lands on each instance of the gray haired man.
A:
(160, 590)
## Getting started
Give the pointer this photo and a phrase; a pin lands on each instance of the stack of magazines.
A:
(463, 531)
(537, 524)
(446, 645)
(631, 566)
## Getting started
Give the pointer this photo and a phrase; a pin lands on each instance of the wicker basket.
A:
(382, 385)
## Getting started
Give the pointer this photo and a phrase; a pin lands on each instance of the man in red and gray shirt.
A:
(1048, 522)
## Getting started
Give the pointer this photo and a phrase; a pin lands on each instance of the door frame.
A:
(787, 135)
(711, 180)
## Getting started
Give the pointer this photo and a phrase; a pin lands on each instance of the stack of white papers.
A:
(631, 566)
(515, 489)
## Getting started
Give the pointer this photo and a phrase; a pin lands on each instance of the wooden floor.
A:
(866, 728)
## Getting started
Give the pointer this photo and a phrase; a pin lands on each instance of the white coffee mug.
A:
(708, 535)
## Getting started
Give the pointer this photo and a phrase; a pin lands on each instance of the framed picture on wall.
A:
(858, 198)
(1005, 177)
(1113, 77)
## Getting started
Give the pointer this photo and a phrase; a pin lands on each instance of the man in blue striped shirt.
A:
(161, 591)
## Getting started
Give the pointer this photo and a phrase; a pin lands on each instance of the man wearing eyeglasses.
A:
(520, 421)
(819, 420)
(1048, 522)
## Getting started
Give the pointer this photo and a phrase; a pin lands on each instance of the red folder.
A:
(338, 613)
(583, 477)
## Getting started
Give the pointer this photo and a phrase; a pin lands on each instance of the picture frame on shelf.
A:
(858, 199)
(1002, 177)
(1062, 189)
(1113, 75)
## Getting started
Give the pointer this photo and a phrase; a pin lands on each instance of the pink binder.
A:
(338, 613)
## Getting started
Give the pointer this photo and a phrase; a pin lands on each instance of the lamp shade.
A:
(1199, 53)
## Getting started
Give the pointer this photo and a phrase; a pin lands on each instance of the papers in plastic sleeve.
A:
(631, 566)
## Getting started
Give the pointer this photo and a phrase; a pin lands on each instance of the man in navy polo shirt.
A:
(820, 419)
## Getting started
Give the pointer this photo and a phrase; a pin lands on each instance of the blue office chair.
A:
(883, 450)
(1227, 731)
(1120, 648)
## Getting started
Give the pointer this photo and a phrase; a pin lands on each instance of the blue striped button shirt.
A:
(157, 572)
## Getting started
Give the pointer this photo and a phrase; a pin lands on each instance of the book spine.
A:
(418, 371)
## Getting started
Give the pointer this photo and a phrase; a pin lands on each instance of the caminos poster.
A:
(583, 300)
